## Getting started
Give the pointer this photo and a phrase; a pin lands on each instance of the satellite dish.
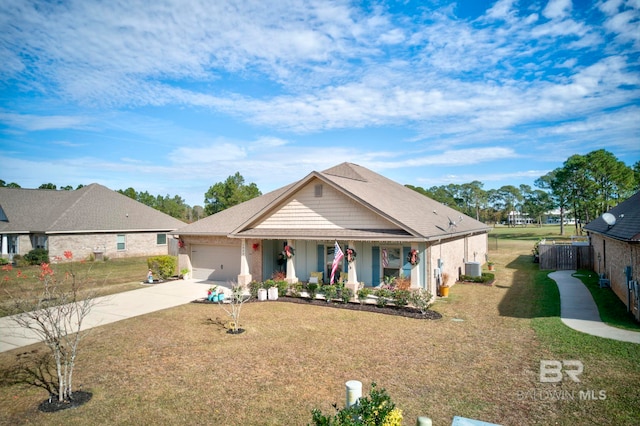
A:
(609, 219)
(453, 224)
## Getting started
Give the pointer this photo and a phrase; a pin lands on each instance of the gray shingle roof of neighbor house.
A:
(627, 221)
(419, 217)
(92, 208)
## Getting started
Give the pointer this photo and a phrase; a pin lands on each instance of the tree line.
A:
(218, 197)
(582, 189)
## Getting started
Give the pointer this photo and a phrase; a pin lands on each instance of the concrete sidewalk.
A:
(149, 298)
(578, 310)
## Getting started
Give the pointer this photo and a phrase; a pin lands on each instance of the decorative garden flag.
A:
(337, 258)
(385, 258)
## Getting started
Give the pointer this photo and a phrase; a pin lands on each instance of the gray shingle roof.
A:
(627, 226)
(93, 208)
(420, 217)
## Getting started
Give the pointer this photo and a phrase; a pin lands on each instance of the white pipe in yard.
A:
(354, 392)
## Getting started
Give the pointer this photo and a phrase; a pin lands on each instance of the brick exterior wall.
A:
(614, 257)
(85, 245)
(454, 254)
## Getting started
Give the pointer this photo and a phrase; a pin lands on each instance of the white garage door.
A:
(215, 263)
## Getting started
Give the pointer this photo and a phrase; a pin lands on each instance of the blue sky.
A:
(171, 97)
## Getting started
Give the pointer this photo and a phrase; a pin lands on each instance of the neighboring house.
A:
(615, 238)
(92, 220)
(382, 220)
(519, 218)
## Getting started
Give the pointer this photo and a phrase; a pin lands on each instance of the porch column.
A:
(245, 276)
(291, 268)
(352, 279)
(415, 272)
(5, 246)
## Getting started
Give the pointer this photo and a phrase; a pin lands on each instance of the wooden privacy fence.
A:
(565, 256)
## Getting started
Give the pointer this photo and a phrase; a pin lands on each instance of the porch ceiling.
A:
(329, 234)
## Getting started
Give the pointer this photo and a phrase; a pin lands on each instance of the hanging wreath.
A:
(289, 252)
(413, 258)
(351, 255)
(180, 243)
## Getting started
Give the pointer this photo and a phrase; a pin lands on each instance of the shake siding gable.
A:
(332, 210)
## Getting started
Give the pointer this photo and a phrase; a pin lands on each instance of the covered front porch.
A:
(372, 262)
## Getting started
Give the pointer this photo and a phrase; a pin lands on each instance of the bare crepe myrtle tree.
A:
(56, 314)
(234, 303)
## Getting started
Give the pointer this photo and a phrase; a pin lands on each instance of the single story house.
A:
(615, 238)
(392, 229)
(90, 221)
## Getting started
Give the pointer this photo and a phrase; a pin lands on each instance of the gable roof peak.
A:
(345, 170)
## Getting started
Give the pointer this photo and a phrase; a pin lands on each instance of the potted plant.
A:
(444, 285)
(212, 294)
(490, 265)
(184, 273)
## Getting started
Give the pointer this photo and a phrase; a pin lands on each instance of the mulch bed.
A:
(407, 312)
(53, 405)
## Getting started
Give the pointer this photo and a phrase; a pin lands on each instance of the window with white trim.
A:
(161, 239)
(121, 242)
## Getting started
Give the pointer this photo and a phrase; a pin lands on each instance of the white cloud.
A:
(501, 10)
(464, 157)
(31, 122)
(143, 53)
(267, 142)
(610, 7)
(208, 154)
(69, 144)
(557, 9)
(289, 69)
(625, 24)
(394, 36)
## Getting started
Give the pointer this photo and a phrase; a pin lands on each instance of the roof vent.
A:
(318, 190)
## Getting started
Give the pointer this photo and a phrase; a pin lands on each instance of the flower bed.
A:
(404, 311)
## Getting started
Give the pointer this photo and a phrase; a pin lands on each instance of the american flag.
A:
(385, 258)
(337, 258)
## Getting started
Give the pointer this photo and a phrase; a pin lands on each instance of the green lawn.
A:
(101, 277)
(611, 368)
(612, 310)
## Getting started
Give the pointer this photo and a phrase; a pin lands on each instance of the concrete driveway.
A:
(149, 298)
